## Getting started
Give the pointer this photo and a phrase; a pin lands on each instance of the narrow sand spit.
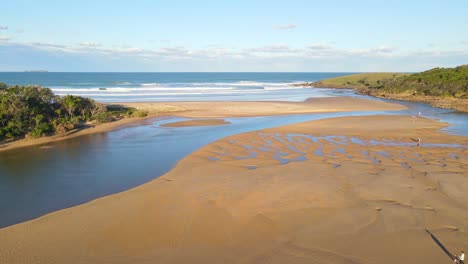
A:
(238, 109)
(341, 190)
(220, 109)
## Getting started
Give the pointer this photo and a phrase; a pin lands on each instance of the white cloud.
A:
(90, 44)
(131, 50)
(272, 51)
(285, 57)
(178, 53)
(3, 27)
(4, 38)
(319, 46)
(380, 51)
(464, 42)
(172, 51)
(271, 48)
(383, 49)
(47, 45)
(210, 52)
(52, 47)
(441, 53)
(285, 27)
(215, 52)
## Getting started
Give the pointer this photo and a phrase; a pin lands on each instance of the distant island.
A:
(36, 71)
(441, 87)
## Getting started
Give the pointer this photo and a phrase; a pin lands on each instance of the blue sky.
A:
(143, 35)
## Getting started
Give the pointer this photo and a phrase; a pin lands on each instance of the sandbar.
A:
(339, 190)
(265, 108)
(218, 110)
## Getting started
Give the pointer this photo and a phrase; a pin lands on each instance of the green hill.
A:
(358, 80)
(441, 87)
(445, 82)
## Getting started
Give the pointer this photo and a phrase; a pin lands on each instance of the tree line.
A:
(35, 111)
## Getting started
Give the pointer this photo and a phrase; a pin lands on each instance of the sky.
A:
(232, 36)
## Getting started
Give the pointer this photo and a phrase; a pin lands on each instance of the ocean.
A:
(172, 86)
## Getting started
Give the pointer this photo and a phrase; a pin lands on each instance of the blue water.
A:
(138, 87)
(42, 179)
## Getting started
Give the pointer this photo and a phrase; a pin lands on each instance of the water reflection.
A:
(38, 180)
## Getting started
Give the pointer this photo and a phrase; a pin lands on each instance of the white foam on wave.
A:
(91, 92)
(285, 88)
(247, 83)
(186, 91)
(123, 83)
(130, 89)
(162, 93)
(179, 86)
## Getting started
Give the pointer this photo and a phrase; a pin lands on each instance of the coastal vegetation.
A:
(444, 82)
(34, 111)
(359, 80)
(441, 87)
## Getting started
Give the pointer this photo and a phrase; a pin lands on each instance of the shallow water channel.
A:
(37, 180)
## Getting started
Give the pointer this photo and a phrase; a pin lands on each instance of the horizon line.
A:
(42, 72)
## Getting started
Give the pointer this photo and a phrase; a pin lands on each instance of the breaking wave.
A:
(239, 90)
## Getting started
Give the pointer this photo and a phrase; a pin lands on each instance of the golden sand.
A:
(239, 109)
(219, 109)
(341, 190)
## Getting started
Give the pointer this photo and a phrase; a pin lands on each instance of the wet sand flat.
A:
(340, 190)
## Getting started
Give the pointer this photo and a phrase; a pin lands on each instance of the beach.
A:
(339, 190)
(216, 110)
(233, 132)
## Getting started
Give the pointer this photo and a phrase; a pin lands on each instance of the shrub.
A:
(140, 113)
(36, 111)
(41, 129)
(104, 117)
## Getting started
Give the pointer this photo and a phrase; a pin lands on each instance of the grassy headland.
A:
(441, 87)
(357, 81)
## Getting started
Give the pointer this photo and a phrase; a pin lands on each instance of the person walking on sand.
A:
(460, 259)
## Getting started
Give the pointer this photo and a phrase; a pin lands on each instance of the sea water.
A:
(154, 87)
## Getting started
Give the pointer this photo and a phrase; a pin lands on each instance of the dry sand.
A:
(350, 190)
(220, 109)
(239, 109)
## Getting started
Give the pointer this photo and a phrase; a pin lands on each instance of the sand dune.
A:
(341, 190)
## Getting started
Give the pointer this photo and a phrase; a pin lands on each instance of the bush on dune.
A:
(35, 111)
